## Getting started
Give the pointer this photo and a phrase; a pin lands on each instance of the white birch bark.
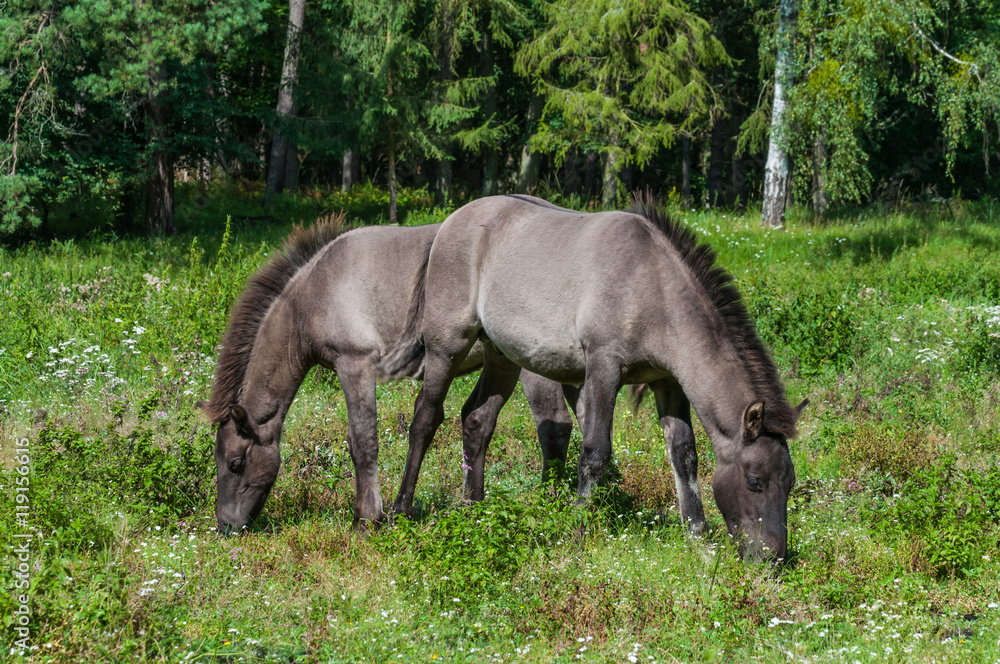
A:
(776, 169)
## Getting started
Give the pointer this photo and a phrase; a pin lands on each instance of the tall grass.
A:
(890, 323)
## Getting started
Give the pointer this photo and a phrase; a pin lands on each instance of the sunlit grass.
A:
(888, 323)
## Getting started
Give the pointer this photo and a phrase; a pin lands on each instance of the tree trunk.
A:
(205, 170)
(160, 218)
(686, 170)
(286, 99)
(777, 171)
(730, 194)
(609, 190)
(442, 183)
(487, 69)
(590, 175)
(291, 178)
(205, 165)
(392, 179)
(716, 162)
(347, 176)
(738, 181)
(530, 160)
(570, 177)
(740, 166)
(445, 46)
(821, 200)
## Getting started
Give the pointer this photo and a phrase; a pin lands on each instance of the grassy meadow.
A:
(888, 320)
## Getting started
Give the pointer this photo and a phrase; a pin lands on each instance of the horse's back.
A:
(355, 296)
(542, 281)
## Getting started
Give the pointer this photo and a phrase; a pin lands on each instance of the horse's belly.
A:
(550, 350)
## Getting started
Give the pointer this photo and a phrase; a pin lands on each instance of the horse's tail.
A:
(406, 358)
(635, 395)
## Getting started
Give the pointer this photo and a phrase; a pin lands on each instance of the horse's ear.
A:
(241, 419)
(753, 420)
(801, 407)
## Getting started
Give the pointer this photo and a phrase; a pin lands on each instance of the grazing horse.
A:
(339, 300)
(603, 300)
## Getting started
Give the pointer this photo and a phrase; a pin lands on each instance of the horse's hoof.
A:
(696, 529)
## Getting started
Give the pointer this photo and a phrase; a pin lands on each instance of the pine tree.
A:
(116, 78)
(627, 75)
(464, 36)
(389, 68)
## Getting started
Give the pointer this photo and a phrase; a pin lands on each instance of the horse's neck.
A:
(717, 385)
(275, 370)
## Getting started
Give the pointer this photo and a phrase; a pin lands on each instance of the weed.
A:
(885, 454)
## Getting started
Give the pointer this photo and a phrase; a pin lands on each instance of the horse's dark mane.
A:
(248, 313)
(738, 327)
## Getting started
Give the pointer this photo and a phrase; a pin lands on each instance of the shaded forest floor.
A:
(888, 321)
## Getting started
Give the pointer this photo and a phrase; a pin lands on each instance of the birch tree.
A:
(777, 172)
(864, 72)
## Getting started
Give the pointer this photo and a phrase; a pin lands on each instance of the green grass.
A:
(888, 322)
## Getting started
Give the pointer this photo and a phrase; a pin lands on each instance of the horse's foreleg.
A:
(428, 413)
(479, 418)
(674, 412)
(598, 400)
(358, 382)
(552, 419)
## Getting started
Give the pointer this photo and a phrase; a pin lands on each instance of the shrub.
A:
(78, 479)
(981, 347)
(468, 554)
(953, 513)
(885, 452)
(810, 327)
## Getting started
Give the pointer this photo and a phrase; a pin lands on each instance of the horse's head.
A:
(247, 461)
(751, 489)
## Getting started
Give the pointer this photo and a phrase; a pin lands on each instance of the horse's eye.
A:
(236, 466)
(754, 484)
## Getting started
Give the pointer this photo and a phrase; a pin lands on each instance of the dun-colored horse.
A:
(602, 300)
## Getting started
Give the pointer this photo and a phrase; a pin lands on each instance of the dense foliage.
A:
(887, 321)
(106, 103)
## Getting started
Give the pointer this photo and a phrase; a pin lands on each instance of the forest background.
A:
(108, 104)
(155, 155)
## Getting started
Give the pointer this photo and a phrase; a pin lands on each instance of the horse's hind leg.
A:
(357, 379)
(674, 412)
(479, 417)
(428, 413)
(552, 419)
